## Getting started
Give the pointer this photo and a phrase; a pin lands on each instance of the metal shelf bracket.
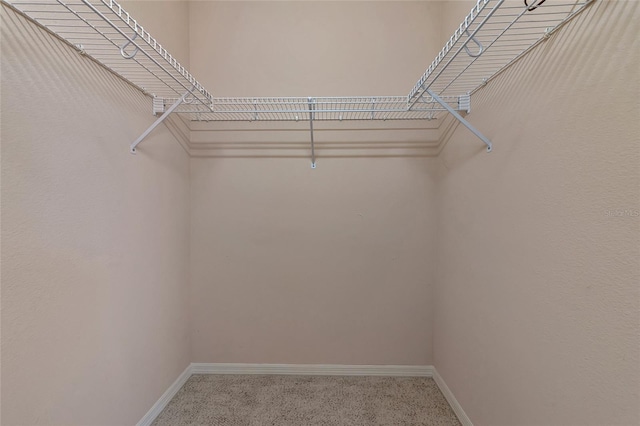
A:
(155, 124)
(469, 126)
(311, 117)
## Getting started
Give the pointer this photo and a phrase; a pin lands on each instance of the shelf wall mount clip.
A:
(464, 103)
(461, 119)
(160, 119)
(158, 105)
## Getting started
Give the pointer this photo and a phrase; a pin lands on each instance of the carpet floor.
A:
(235, 400)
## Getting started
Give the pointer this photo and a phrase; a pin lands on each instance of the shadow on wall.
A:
(580, 41)
(20, 34)
(331, 139)
(55, 98)
(26, 46)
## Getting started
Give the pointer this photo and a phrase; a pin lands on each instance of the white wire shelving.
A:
(318, 108)
(103, 30)
(494, 35)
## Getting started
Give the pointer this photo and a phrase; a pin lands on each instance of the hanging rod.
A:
(311, 118)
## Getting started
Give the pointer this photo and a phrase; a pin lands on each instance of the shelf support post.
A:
(311, 117)
(453, 112)
(155, 124)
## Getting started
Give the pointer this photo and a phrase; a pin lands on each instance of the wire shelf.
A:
(103, 30)
(492, 37)
(319, 108)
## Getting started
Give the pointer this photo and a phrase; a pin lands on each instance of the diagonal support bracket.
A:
(469, 126)
(311, 117)
(158, 121)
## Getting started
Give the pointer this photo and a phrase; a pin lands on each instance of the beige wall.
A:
(504, 269)
(537, 290)
(325, 266)
(167, 21)
(295, 265)
(94, 241)
(312, 48)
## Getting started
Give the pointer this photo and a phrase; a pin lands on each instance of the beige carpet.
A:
(230, 400)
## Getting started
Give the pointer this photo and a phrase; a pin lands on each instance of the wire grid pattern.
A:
(103, 30)
(491, 37)
(319, 108)
(506, 30)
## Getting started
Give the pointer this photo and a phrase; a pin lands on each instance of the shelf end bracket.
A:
(461, 119)
(155, 124)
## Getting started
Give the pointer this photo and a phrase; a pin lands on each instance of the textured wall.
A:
(534, 301)
(94, 241)
(167, 21)
(538, 279)
(294, 265)
(312, 48)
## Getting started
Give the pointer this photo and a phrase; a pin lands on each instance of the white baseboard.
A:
(165, 398)
(307, 370)
(315, 369)
(453, 402)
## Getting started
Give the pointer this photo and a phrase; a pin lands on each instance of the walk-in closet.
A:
(306, 213)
